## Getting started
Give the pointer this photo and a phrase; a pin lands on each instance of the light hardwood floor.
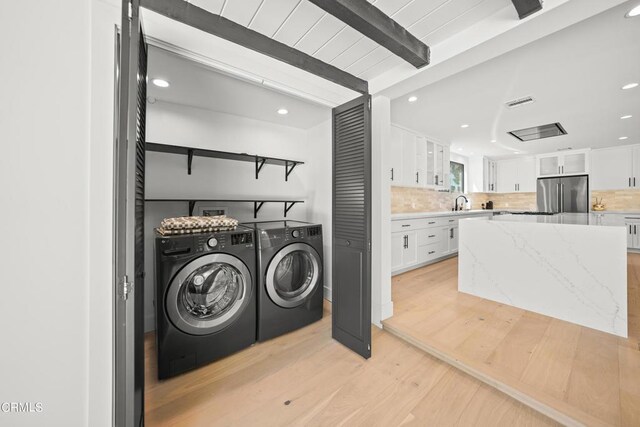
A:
(555, 366)
(306, 378)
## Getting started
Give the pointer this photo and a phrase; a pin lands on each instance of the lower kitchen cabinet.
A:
(419, 241)
(633, 234)
(404, 249)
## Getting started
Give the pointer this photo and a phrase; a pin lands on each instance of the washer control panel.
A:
(212, 242)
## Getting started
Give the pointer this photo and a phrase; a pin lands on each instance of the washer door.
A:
(208, 294)
(293, 274)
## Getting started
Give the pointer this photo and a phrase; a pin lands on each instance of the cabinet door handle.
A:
(391, 174)
(436, 179)
(431, 235)
(451, 233)
(432, 222)
(432, 252)
(417, 177)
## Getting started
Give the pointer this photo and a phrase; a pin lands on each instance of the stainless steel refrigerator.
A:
(565, 194)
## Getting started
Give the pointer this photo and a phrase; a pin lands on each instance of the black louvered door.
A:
(141, 119)
(131, 80)
(351, 292)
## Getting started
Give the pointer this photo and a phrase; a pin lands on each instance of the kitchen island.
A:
(571, 267)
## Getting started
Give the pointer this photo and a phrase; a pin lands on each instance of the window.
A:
(457, 177)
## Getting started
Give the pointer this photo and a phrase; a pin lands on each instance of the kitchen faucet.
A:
(456, 202)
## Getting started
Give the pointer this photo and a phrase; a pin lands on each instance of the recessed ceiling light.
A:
(628, 116)
(412, 98)
(633, 12)
(160, 82)
(493, 140)
(283, 111)
(629, 86)
(464, 126)
(622, 138)
(516, 152)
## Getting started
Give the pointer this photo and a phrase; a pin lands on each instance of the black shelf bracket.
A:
(256, 208)
(287, 207)
(288, 170)
(192, 204)
(260, 161)
(189, 160)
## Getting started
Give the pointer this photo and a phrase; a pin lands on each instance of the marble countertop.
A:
(593, 219)
(414, 215)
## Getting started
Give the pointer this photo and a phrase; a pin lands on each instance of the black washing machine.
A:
(205, 298)
(290, 266)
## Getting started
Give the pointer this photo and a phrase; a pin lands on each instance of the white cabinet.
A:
(516, 175)
(633, 233)
(417, 161)
(574, 162)
(395, 174)
(615, 168)
(490, 173)
(527, 175)
(409, 161)
(404, 250)
(415, 242)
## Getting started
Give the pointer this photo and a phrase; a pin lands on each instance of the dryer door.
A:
(293, 274)
(208, 294)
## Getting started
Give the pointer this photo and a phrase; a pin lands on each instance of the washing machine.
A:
(290, 266)
(205, 298)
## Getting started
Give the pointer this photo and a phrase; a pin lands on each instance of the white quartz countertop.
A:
(623, 213)
(594, 219)
(414, 215)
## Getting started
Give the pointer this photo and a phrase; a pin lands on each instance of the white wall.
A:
(381, 303)
(319, 191)
(166, 174)
(44, 171)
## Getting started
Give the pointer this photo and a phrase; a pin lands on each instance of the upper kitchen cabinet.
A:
(490, 175)
(574, 162)
(395, 174)
(417, 161)
(615, 168)
(516, 175)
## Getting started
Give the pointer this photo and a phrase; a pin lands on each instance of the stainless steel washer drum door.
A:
(293, 274)
(208, 294)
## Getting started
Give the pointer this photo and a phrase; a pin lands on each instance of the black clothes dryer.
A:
(205, 298)
(290, 266)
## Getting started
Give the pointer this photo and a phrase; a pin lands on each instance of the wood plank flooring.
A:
(567, 371)
(307, 378)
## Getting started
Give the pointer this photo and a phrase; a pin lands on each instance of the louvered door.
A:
(129, 224)
(351, 317)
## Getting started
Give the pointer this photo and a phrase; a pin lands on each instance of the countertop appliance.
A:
(290, 267)
(563, 194)
(205, 298)
(489, 205)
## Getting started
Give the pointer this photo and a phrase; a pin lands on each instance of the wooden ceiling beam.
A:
(379, 27)
(222, 27)
(527, 7)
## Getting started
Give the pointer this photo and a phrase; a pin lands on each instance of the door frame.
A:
(125, 308)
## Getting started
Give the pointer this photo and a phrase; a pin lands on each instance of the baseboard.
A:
(423, 264)
(327, 294)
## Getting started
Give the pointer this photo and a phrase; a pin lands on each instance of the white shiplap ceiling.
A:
(304, 26)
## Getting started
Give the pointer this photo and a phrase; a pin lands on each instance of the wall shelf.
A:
(257, 203)
(257, 159)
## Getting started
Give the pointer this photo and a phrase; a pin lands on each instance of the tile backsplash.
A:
(407, 200)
